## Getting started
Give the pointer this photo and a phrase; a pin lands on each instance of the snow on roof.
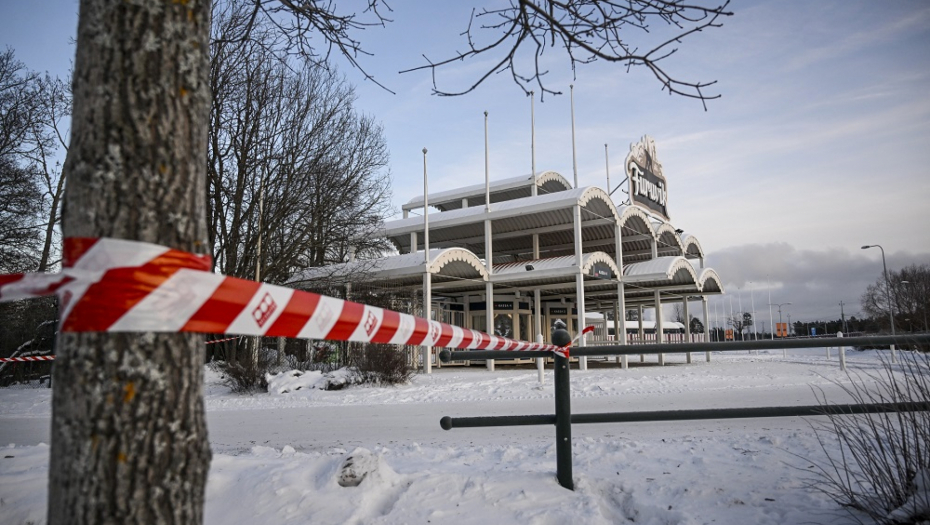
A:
(675, 269)
(692, 247)
(501, 189)
(456, 262)
(551, 267)
(540, 204)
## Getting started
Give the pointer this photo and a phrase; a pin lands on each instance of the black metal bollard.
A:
(563, 414)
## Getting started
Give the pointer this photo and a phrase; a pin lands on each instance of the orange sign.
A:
(729, 335)
(781, 329)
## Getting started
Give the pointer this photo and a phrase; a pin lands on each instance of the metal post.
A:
(842, 354)
(563, 415)
(888, 295)
(684, 307)
(427, 276)
(563, 424)
(706, 325)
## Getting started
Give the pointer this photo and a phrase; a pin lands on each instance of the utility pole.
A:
(843, 317)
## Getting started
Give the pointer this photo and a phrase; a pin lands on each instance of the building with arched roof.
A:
(529, 252)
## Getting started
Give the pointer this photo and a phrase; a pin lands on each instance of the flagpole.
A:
(574, 154)
(427, 277)
(533, 190)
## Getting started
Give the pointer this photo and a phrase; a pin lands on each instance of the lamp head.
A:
(866, 247)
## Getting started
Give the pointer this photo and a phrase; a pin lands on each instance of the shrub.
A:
(380, 364)
(248, 375)
(881, 466)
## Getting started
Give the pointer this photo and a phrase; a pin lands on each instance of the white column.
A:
(413, 242)
(489, 286)
(660, 335)
(684, 303)
(427, 313)
(579, 285)
(842, 354)
(468, 324)
(706, 325)
(620, 305)
(537, 305)
(427, 277)
(642, 333)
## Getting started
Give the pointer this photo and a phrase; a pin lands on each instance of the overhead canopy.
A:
(449, 264)
(500, 190)
(669, 244)
(692, 247)
(674, 278)
(515, 221)
(554, 275)
(637, 233)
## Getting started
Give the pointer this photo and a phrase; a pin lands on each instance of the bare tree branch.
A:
(587, 30)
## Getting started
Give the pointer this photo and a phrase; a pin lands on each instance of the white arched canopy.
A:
(500, 190)
(669, 243)
(447, 264)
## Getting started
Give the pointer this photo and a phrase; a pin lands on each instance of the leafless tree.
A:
(291, 164)
(738, 322)
(20, 199)
(514, 38)
(908, 290)
(20, 195)
(128, 437)
(31, 136)
(587, 30)
(47, 137)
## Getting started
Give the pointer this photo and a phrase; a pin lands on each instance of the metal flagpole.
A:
(427, 277)
(533, 143)
(607, 168)
(487, 176)
(574, 155)
(752, 303)
(771, 320)
(488, 251)
(537, 297)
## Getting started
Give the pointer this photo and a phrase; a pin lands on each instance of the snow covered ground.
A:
(277, 456)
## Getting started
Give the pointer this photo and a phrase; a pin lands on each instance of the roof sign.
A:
(648, 187)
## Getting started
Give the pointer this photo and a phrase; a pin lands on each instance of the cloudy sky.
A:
(819, 144)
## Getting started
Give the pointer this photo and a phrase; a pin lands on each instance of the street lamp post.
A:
(917, 304)
(784, 351)
(887, 294)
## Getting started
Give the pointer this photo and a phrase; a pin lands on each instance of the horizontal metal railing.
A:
(563, 418)
(672, 348)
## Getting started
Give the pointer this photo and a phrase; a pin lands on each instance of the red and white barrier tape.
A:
(220, 340)
(28, 358)
(112, 285)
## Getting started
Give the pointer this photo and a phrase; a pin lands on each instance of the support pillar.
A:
(620, 304)
(660, 334)
(428, 314)
(489, 286)
(684, 307)
(706, 325)
(579, 286)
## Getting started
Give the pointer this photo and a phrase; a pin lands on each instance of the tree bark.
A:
(129, 440)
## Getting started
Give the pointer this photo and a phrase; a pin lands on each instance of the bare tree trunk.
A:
(129, 441)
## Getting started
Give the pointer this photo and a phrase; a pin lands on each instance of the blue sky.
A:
(819, 144)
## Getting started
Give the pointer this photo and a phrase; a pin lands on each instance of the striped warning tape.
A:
(27, 358)
(221, 340)
(112, 285)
